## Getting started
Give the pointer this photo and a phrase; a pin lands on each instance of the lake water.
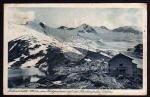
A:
(25, 72)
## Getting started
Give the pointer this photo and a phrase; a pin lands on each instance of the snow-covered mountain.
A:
(37, 37)
(84, 28)
(109, 39)
(26, 47)
(62, 32)
(129, 29)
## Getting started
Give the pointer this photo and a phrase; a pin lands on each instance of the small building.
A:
(122, 65)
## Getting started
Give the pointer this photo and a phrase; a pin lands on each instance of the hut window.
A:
(120, 64)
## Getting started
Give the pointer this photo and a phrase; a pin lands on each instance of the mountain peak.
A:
(86, 28)
(103, 27)
(84, 25)
(62, 27)
(127, 29)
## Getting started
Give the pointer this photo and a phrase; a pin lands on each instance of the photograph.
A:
(75, 49)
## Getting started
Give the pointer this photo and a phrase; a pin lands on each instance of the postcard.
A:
(75, 49)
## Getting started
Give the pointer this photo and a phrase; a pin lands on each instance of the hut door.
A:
(122, 71)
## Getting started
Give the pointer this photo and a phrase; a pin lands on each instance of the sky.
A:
(73, 17)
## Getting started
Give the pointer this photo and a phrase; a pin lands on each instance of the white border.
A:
(76, 91)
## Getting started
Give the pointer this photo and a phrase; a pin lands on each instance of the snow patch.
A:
(31, 62)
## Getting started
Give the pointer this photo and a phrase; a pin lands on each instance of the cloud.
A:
(19, 17)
